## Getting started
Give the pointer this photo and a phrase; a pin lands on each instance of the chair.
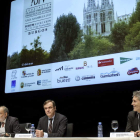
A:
(22, 127)
(69, 130)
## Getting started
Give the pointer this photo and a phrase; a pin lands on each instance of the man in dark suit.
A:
(133, 121)
(52, 124)
(9, 123)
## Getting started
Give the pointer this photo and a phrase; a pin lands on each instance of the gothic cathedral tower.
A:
(100, 19)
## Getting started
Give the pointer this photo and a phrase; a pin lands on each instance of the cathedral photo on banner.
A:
(100, 18)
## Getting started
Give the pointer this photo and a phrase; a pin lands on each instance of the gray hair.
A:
(5, 109)
(136, 94)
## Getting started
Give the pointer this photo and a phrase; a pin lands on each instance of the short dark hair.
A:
(46, 102)
(5, 109)
(137, 94)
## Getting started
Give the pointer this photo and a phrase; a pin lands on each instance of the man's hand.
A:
(39, 133)
(138, 133)
(7, 134)
(135, 133)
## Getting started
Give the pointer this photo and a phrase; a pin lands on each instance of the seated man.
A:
(10, 124)
(52, 124)
(133, 122)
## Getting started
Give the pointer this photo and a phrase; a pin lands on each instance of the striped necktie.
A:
(50, 126)
(2, 124)
(138, 121)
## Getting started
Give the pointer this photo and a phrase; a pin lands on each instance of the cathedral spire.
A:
(84, 7)
(91, 3)
(98, 4)
(112, 3)
(104, 2)
(94, 4)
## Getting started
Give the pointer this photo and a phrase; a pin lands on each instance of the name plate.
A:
(121, 134)
(23, 135)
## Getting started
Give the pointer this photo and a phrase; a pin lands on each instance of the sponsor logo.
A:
(13, 83)
(46, 82)
(59, 69)
(110, 74)
(26, 84)
(133, 71)
(77, 78)
(79, 68)
(137, 58)
(24, 72)
(123, 60)
(68, 68)
(39, 71)
(13, 74)
(25, 75)
(63, 79)
(106, 62)
(88, 66)
(39, 82)
(85, 63)
(21, 84)
(88, 77)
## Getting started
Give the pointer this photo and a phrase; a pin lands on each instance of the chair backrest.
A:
(69, 130)
(22, 127)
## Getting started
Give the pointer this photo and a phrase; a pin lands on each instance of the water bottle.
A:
(32, 130)
(100, 129)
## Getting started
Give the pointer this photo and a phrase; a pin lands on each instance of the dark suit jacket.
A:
(132, 121)
(12, 126)
(59, 125)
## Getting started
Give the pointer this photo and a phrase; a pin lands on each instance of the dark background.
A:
(84, 106)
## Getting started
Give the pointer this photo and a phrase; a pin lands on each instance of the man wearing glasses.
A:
(52, 124)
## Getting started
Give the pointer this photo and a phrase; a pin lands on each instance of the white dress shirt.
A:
(2, 129)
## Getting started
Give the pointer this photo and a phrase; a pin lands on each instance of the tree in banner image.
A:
(102, 46)
(135, 16)
(132, 40)
(66, 31)
(24, 55)
(91, 46)
(14, 60)
(36, 55)
(117, 36)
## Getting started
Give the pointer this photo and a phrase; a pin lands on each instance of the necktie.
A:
(50, 126)
(138, 121)
(2, 124)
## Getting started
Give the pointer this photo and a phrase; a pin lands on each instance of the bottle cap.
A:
(99, 123)
(32, 124)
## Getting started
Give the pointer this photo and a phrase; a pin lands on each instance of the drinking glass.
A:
(114, 125)
(28, 127)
